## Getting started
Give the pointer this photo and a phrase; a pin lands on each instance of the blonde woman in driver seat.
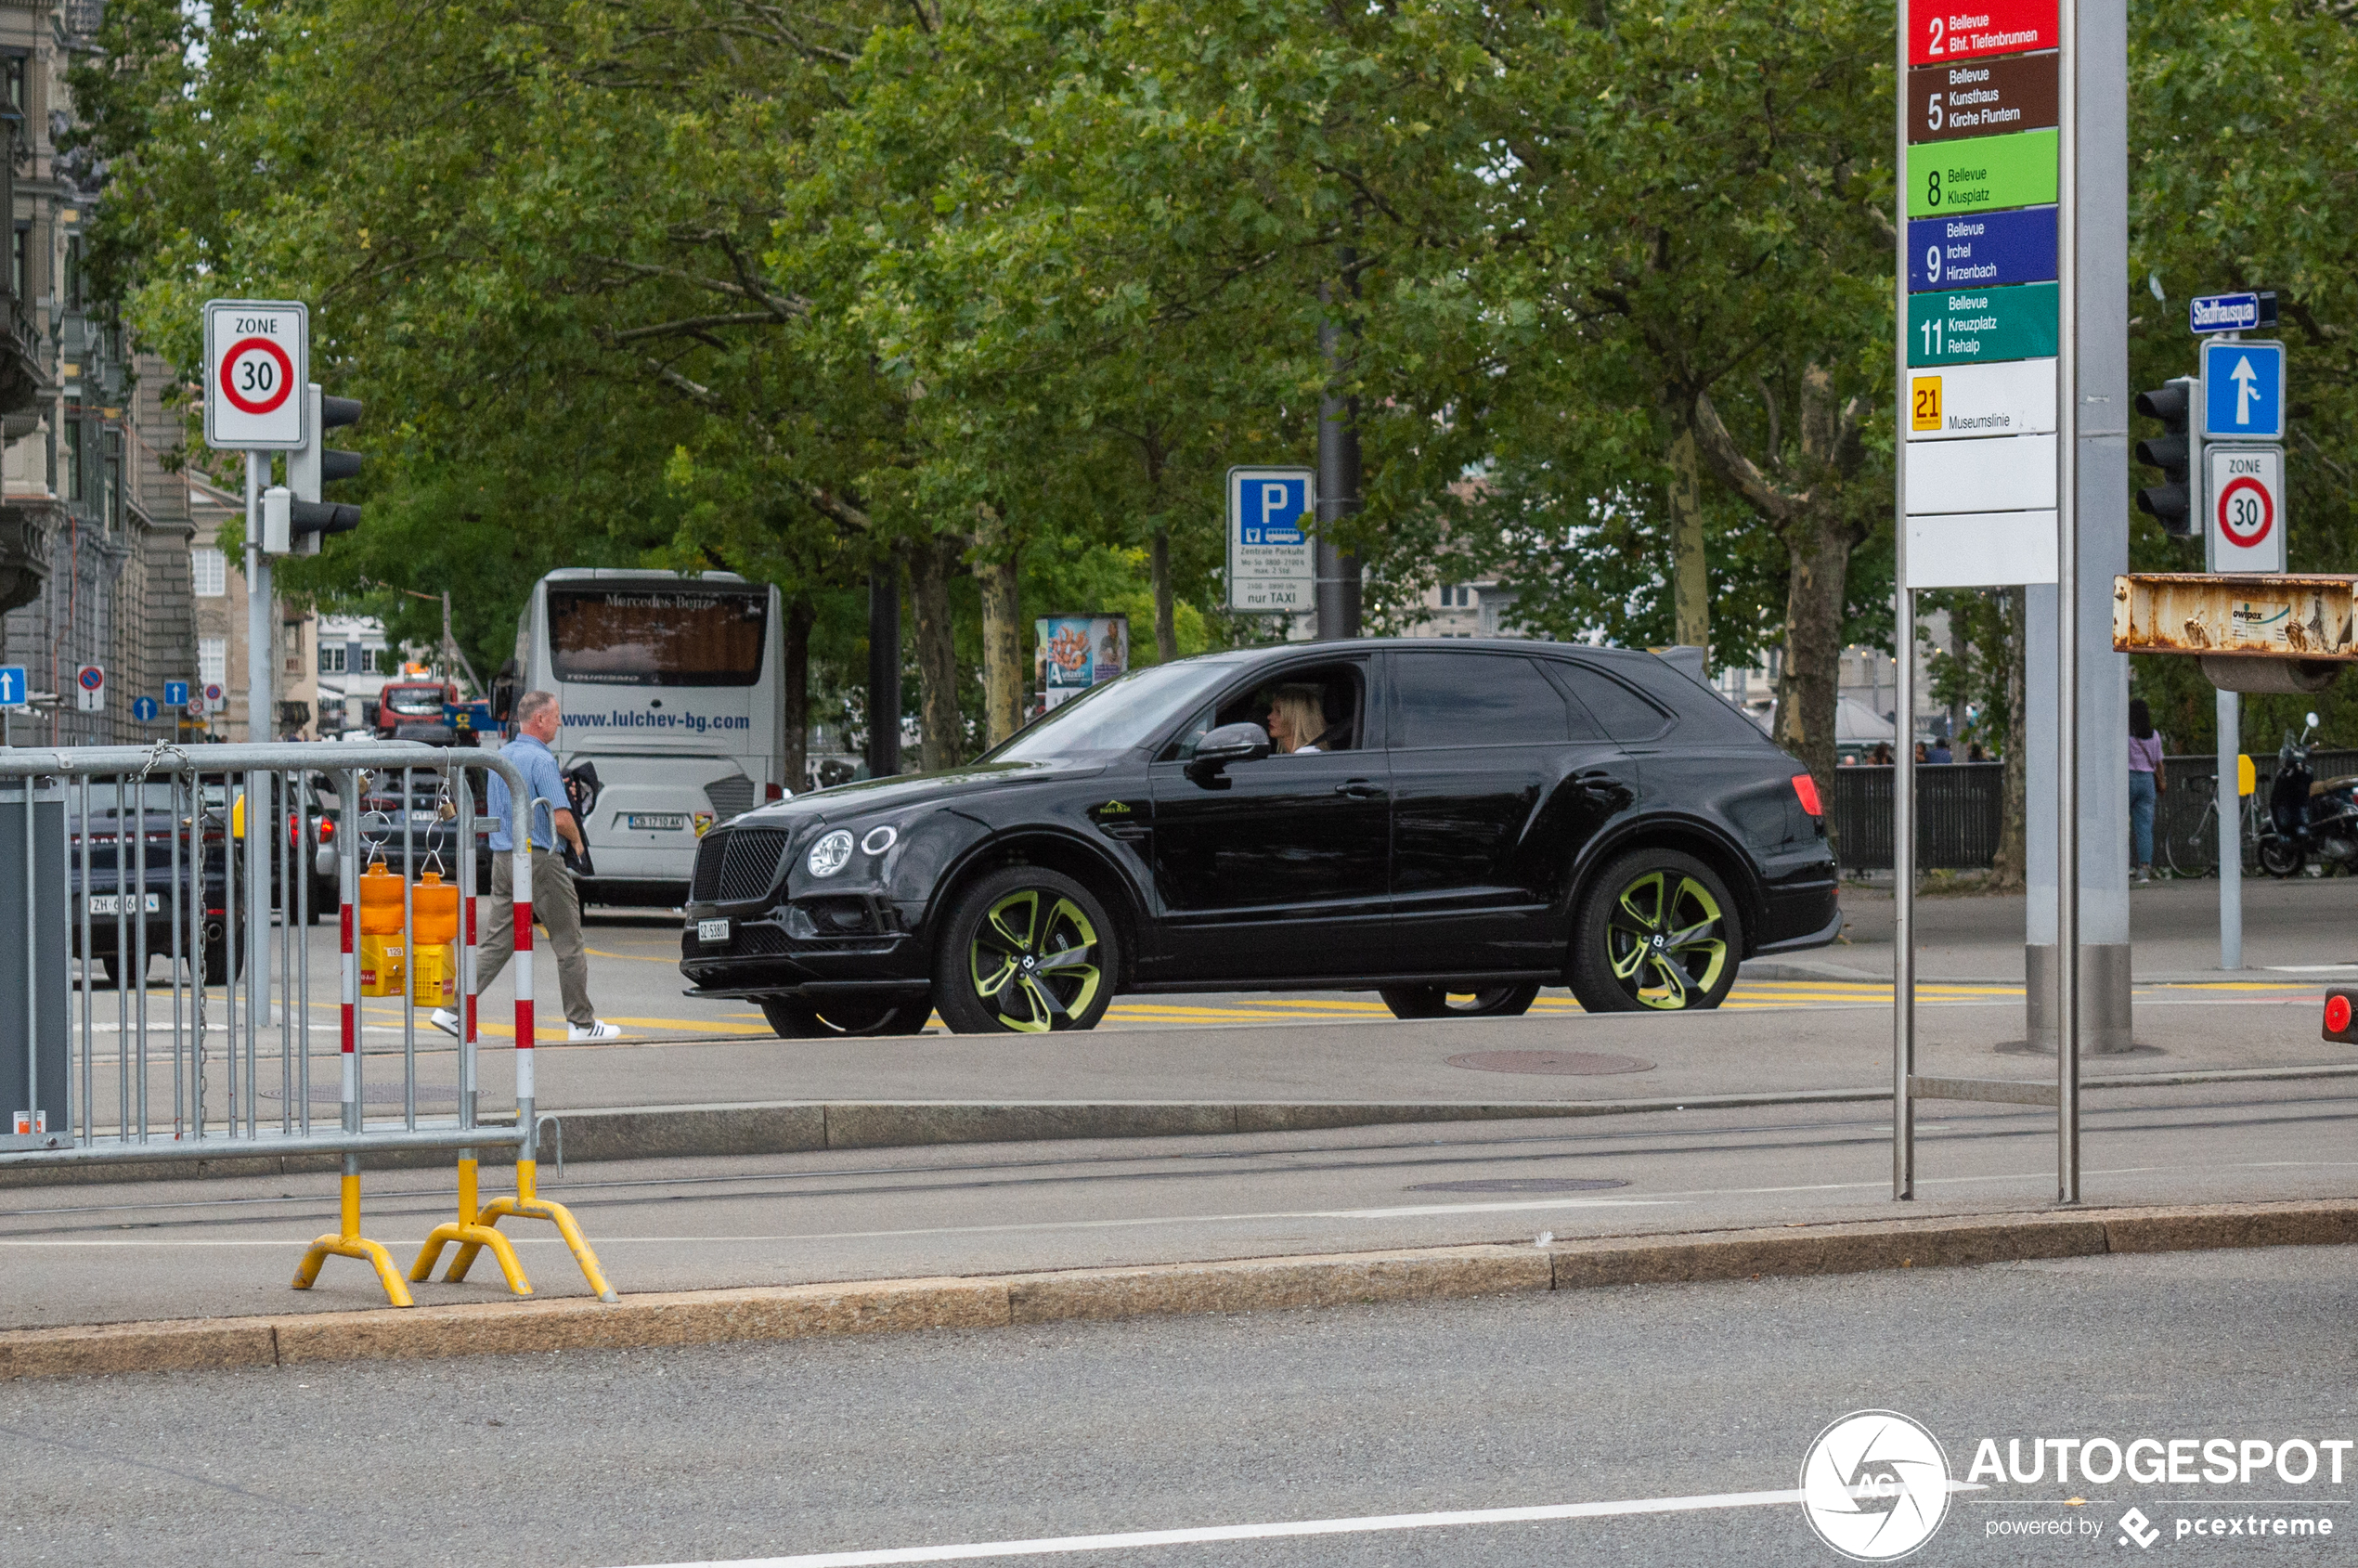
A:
(1297, 718)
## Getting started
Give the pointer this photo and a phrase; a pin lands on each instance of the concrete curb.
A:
(684, 1132)
(1238, 1285)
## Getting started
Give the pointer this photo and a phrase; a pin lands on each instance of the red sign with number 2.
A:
(1957, 32)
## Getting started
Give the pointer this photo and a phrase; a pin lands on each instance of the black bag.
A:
(581, 795)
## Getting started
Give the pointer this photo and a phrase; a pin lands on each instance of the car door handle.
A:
(1360, 789)
(1599, 781)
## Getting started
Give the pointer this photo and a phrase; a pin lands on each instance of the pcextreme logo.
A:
(1875, 1486)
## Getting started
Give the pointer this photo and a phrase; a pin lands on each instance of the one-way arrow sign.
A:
(2243, 391)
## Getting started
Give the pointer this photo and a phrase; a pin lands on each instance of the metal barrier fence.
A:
(220, 859)
(1957, 815)
(1959, 807)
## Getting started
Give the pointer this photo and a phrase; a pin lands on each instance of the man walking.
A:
(554, 903)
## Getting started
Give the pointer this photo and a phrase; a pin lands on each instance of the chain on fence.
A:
(221, 863)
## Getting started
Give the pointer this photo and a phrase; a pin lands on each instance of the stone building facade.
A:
(95, 523)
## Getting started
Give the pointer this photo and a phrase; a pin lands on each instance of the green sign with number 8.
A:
(1982, 175)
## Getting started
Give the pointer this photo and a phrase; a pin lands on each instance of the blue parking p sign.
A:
(12, 685)
(1275, 506)
(2243, 391)
(176, 693)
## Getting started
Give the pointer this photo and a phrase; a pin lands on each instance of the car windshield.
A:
(1118, 715)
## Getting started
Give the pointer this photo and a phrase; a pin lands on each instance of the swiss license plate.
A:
(655, 821)
(107, 904)
(712, 930)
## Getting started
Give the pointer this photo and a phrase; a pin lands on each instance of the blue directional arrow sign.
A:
(12, 685)
(144, 709)
(2243, 391)
(176, 693)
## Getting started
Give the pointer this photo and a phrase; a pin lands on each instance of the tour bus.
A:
(669, 686)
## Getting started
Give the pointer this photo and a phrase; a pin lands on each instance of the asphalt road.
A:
(224, 1247)
(1697, 1394)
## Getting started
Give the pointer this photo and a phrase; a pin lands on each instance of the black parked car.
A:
(1475, 820)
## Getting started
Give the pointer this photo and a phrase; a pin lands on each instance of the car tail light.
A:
(1806, 789)
(327, 830)
(2337, 1019)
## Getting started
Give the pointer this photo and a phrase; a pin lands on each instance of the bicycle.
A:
(2197, 864)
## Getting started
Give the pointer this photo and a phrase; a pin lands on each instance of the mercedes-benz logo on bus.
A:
(1875, 1486)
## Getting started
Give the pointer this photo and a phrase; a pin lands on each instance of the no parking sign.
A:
(90, 688)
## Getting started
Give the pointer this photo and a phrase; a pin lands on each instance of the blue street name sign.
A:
(1984, 251)
(12, 685)
(144, 709)
(176, 693)
(2243, 391)
(2223, 312)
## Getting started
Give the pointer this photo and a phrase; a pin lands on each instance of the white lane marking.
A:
(1365, 1524)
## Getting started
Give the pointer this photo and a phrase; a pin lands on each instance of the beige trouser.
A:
(555, 905)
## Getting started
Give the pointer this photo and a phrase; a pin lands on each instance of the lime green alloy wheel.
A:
(1034, 954)
(1665, 939)
(1657, 933)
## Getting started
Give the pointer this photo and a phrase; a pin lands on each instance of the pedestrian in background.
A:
(2147, 784)
(554, 903)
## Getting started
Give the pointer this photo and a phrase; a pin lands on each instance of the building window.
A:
(332, 659)
(13, 65)
(112, 502)
(74, 460)
(213, 661)
(368, 661)
(210, 570)
(72, 280)
(19, 263)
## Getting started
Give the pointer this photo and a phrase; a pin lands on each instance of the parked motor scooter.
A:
(2306, 817)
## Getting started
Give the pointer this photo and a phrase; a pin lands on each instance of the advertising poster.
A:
(1077, 651)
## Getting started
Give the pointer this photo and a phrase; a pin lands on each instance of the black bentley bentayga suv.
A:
(1475, 820)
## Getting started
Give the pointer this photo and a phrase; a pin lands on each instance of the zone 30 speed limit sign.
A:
(258, 357)
(2245, 496)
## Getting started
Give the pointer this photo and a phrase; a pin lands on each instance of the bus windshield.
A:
(656, 636)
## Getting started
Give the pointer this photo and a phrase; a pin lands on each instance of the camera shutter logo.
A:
(1875, 1486)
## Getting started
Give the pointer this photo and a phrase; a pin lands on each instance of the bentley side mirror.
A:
(1229, 743)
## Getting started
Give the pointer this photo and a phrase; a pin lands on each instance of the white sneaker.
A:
(593, 1032)
(445, 1020)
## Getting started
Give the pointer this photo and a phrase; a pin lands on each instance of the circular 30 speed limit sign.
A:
(257, 361)
(2246, 509)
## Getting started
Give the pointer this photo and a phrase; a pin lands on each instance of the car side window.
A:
(1620, 712)
(1478, 699)
(1329, 702)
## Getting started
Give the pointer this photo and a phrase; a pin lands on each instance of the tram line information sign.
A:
(1978, 401)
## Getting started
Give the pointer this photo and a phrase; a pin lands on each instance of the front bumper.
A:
(787, 949)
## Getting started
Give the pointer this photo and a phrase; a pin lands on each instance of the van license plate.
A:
(712, 930)
(655, 821)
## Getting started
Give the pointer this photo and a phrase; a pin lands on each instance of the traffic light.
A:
(2176, 452)
(294, 517)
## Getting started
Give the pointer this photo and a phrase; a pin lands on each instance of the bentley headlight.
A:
(831, 854)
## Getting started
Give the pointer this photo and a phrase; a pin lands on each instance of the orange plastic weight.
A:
(433, 972)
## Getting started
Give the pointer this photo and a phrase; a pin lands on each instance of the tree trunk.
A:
(2012, 862)
(1690, 575)
(1166, 625)
(930, 566)
(1003, 676)
(1819, 549)
(793, 695)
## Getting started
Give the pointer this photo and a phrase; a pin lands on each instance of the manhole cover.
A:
(1569, 1063)
(1523, 1184)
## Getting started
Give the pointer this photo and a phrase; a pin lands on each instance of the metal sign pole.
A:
(1903, 778)
(2067, 608)
(2231, 831)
